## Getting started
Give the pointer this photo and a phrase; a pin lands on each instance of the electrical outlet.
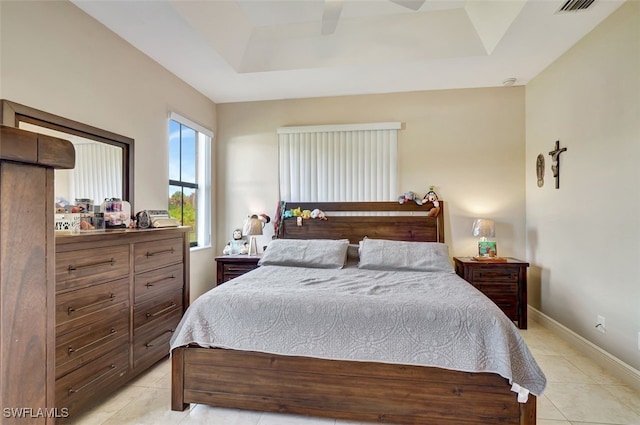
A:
(600, 324)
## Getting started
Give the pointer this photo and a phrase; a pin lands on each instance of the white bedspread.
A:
(414, 318)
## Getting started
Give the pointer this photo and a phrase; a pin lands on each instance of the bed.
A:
(258, 367)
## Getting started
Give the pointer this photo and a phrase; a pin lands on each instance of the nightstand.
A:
(230, 266)
(505, 283)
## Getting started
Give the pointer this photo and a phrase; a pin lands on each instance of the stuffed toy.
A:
(408, 197)
(319, 214)
(237, 245)
(432, 198)
(296, 212)
(306, 214)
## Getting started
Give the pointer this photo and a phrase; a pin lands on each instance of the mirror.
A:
(104, 160)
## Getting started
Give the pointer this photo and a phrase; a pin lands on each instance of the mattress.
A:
(431, 319)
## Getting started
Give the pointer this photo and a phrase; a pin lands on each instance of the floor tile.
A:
(279, 419)
(152, 407)
(207, 415)
(594, 371)
(590, 403)
(546, 410)
(559, 369)
(625, 395)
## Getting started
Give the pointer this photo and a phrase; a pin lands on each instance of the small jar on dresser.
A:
(230, 266)
(504, 282)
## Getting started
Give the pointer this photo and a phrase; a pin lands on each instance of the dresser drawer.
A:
(86, 343)
(495, 274)
(156, 309)
(86, 267)
(149, 284)
(86, 305)
(79, 386)
(151, 343)
(151, 255)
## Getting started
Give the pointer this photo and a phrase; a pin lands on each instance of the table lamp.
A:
(484, 228)
(252, 228)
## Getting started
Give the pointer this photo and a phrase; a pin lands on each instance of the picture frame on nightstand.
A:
(487, 249)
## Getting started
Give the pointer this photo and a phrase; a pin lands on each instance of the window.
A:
(325, 163)
(189, 177)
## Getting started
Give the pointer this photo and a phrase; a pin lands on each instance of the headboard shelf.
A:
(383, 220)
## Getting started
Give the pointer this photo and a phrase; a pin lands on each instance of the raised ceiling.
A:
(238, 50)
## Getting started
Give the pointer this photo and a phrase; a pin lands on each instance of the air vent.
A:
(575, 5)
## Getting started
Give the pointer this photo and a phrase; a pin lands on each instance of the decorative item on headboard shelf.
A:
(409, 197)
(432, 198)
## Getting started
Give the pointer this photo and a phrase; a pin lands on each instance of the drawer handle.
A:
(166, 251)
(71, 310)
(73, 268)
(164, 310)
(151, 283)
(71, 350)
(149, 344)
(97, 378)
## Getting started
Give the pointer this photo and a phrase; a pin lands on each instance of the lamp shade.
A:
(252, 226)
(484, 228)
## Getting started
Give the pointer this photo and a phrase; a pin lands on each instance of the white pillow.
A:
(314, 253)
(382, 254)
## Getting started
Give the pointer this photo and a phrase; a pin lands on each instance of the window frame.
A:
(202, 186)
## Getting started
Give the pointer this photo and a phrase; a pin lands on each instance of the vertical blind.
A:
(98, 172)
(352, 162)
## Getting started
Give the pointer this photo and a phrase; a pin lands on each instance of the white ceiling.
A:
(240, 50)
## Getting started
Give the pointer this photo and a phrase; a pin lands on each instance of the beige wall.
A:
(468, 143)
(583, 240)
(56, 58)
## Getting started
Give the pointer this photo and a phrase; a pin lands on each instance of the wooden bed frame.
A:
(359, 391)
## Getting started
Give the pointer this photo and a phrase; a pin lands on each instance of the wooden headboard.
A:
(395, 221)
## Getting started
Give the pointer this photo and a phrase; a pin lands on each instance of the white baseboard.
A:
(612, 364)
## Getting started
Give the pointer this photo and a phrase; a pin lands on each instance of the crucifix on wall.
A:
(555, 165)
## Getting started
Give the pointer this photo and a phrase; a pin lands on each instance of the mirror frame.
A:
(12, 113)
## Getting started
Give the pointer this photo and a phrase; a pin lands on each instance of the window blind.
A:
(351, 162)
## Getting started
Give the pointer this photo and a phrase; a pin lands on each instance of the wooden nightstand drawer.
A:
(495, 274)
(505, 283)
(237, 269)
(232, 266)
(498, 290)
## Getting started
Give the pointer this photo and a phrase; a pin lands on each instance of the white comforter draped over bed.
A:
(413, 318)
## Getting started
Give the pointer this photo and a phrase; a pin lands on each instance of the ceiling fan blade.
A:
(411, 4)
(330, 16)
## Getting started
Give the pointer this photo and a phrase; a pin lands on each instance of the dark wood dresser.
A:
(119, 297)
(27, 273)
(230, 266)
(505, 283)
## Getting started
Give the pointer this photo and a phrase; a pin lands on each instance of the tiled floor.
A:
(578, 393)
